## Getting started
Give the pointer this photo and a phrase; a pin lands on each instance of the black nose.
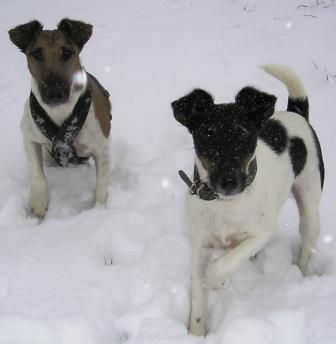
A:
(55, 96)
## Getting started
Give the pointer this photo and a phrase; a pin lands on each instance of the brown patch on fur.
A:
(234, 240)
(102, 107)
(53, 55)
(229, 242)
(78, 87)
(206, 163)
(52, 44)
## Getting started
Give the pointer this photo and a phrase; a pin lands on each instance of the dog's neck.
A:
(62, 133)
(59, 113)
(203, 175)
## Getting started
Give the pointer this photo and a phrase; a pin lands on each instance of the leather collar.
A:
(204, 191)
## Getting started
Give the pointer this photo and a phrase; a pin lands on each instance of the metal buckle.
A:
(194, 188)
(199, 189)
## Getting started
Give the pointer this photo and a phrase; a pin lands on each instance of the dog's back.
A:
(299, 133)
(101, 103)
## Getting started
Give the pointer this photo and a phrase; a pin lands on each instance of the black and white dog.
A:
(251, 158)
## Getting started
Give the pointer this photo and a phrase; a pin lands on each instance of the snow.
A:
(121, 275)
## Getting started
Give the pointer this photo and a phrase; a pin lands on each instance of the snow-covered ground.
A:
(122, 274)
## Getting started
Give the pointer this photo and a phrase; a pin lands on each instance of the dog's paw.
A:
(215, 277)
(39, 206)
(101, 197)
(100, 206)
(38, 202)
(197, 326)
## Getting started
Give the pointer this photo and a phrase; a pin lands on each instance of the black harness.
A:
(62, 138)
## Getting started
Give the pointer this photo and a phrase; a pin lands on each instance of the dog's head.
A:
(53, 55)
(225, 135)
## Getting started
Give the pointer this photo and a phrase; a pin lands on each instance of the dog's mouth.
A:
(232, 182)
(227, 194)
(54, 90)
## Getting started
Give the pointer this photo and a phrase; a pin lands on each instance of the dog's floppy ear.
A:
(192, 106)
(260, 105)
(22, 35)
(78, 31)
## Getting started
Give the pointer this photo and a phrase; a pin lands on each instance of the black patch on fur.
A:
(274, 134)
(299, 106)
(259, 104)
(78, 31)
(298, 154)
(189, 110)
(319, 156)
(23, 35)
(225, 135)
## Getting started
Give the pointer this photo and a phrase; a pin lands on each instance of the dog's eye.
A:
(243, 132)
(66, 54)
(37, 54)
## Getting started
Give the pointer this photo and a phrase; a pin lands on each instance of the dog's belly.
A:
(224, 239)
(224, 231)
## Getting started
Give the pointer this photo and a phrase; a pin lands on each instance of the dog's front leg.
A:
(38, 202)
(220, 269)
(197, 314)
(102, 161)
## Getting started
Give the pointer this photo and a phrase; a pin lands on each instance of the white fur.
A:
(89, 142)
(288, 77)
(248, 220)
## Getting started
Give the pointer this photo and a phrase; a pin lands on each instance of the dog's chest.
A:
(89, 140)
(222, 223)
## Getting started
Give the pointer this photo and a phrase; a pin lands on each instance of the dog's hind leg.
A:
(102, 161)
(307, 196)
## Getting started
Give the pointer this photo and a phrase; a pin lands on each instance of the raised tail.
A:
(297, 96)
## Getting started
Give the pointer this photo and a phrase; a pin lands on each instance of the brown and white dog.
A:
(58, 84)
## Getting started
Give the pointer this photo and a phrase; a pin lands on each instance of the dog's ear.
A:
(260, 105)
(192, 106)
(78, 31)
(23, 35)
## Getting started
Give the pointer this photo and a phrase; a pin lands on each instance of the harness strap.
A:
(62, 138)
(45, 124)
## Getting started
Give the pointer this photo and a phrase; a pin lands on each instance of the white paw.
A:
(215, 277)
(38, 202)
(303, 265)
(197, 326)
(39, 205)
(101, 196)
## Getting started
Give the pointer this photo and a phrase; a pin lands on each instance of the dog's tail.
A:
(297, 98)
